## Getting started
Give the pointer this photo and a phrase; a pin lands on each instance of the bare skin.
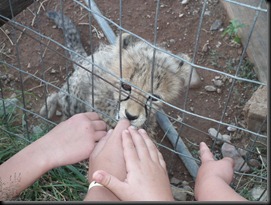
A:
(108, 155)
(69, 142)
(141, 157)
(214, 177)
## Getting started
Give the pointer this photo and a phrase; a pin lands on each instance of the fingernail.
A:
(98, 177)
(110, 131)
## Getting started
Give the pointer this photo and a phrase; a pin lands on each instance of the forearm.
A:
(23, 169)
(215, 189)
(100, 194)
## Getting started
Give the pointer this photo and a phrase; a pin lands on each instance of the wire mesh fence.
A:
(142, 72)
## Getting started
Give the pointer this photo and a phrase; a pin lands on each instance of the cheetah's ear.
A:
(186, 69)
(128, 40)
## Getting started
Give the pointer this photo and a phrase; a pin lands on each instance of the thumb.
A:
(110, 182)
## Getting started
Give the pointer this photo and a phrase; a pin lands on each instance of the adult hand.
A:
(146, 178)
(74, 139)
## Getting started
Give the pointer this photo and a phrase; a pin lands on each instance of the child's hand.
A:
(74, 139)
(146, 178)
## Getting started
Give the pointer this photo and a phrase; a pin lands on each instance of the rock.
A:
(218, 83)
(242, 152)
(231, 129)
(219, 137)
(207, 13)
(172, 41)
(256, 193)
(179, 194)
(37, 130)
(10, 106)
(184, 2)
(255, 110)
(254, 163)
(218, 90)
(210, 88)
(216, 25)
(229, 150)
(53, 71)
(58, 113)
(175, 181)
(226, 138)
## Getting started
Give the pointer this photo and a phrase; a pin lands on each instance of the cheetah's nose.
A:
(129, 116)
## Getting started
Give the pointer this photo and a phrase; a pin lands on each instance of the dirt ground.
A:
(177, 29)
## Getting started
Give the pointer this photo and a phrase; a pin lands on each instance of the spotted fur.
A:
(127, 98)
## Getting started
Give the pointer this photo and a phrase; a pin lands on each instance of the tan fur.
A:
(170, 75)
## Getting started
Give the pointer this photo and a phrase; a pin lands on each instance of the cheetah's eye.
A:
(154, 99)
(126, 87)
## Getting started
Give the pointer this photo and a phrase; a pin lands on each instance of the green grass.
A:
(232, 30)
(68, 183)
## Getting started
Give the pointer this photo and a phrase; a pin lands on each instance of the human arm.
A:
(146, 178)
(108, 155)
(214, 177)
(69, 142)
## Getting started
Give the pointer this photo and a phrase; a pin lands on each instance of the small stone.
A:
(184, 2)
(257, 192)
(242, 152)
(254, 163)
(231, 129)
(53, 71)
(207, 13)
(172, 41)
(229, 150)
(58, 113)
(179, 194)
(218, 90)
(226, 138)
(218, 83)
(218, 44)
(216, 25)
(181, 15)
(217, 77)
(191, 109)
(215, 135)
(54, 26)
(175, 181)
(210, 88)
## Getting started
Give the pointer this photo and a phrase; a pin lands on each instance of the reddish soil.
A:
(177, 31)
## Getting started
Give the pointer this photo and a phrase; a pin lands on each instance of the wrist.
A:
(100, 193)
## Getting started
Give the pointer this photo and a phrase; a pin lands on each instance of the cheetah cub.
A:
(97, 85)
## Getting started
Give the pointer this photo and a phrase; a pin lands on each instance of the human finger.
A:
(99, 125)
(123, 124)
(99, 146)
(205, 153)
(110, 182)
(129, 150)
(162, 161)
(153, 151)
(92, 116)
(139, 142)
(99, 135)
